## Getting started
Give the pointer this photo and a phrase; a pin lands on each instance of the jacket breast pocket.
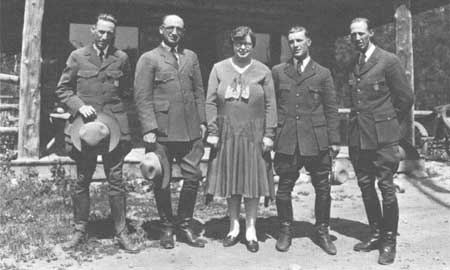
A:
(163, 77)
(114, 77)
(319, 124)
(162, 117)
(378, 85)
(315, 95)
(284, 93)
(387, 127)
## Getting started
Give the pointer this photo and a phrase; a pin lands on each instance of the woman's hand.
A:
(267, 144)
(212, 140)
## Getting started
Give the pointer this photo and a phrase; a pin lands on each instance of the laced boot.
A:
(324, 240)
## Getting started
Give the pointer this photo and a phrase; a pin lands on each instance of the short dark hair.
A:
(239, 33)
(362, 19)
(298, 28)
(106, 17)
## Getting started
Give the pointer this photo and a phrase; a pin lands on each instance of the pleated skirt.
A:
(238, 165)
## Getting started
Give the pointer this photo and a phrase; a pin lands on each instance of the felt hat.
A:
(101, 133)
(155, 165)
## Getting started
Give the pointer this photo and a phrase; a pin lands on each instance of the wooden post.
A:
(404, 49)
(30, 74)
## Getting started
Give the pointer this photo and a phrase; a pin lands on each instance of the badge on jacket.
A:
(116, 83)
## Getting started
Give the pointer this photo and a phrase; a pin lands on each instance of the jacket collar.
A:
(373, 59)
(111, 56)
(291, 71)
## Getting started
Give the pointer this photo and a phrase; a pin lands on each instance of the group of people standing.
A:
(248, 112)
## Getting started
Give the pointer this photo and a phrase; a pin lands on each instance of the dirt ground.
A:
(423, 243)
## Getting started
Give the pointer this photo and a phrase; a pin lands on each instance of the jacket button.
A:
(359, 90)
(296, 106)
(297, 117)
(297, 94)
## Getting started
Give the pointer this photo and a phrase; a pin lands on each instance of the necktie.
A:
(175, 56)
(101, 55)
(362, 59)
(299, 66)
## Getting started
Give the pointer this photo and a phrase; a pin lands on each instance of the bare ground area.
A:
(423, 243)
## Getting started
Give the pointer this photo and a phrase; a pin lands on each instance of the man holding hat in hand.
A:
(93, 84)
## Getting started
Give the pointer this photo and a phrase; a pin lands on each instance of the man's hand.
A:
(334, 150)
(267, 144)
(149, 137)
(203, 131)
(87, 111)
(213, 141)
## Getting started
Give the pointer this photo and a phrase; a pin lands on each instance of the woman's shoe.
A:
(230, 241)
(252, 245)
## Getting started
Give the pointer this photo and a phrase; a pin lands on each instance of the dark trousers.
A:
(378, 164)
(287, 167)
(188, 156)
(86, 164)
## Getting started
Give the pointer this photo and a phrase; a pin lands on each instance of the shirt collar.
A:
(369, 51)
(304, 63)
(168, 48)
(98, 50)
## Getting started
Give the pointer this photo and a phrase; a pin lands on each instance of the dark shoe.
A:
(324, 240)
(387, 249)
(126, 243)
(77, 238)
(230, 241)
(371, 244)
(186, 235)
(252, 245)
(166, 238)
(284, 240)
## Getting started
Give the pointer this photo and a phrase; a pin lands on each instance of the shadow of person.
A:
(104, 228)
(153, 228)
(268, 227)
(350, 228)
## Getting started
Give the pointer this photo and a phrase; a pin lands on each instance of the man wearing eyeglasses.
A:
(170, 102)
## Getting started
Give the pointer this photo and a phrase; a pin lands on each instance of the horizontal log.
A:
(4, 130)
(9, 107)
(9, 78)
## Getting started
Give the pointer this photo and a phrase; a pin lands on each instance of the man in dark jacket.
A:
(95, 80)
(380, 99)
(308, 123)
(170, 102)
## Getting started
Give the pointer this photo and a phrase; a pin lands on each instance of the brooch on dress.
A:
(238, 89)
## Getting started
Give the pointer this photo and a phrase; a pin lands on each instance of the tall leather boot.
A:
(387, 248)
(374, 216)
(164, 207)
(81, 203)
(118, 213)
(322, 207)
(188, 196)
(285, 216)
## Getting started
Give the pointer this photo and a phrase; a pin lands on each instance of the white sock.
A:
(234, 229)
(250, 234)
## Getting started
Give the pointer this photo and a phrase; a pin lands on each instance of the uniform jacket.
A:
(87, 81)
(170, 101)
(307, 109)
(380, 98)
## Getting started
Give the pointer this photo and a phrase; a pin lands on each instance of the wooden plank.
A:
(9, 107)
(9, 78)
(4, 130)
(30, 73)
(404, 49)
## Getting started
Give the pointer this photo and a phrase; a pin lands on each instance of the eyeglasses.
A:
(171, 28)
(245, 44)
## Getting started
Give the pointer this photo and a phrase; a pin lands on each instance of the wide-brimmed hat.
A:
(101, 133)
(150, 166)
(155, 165)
